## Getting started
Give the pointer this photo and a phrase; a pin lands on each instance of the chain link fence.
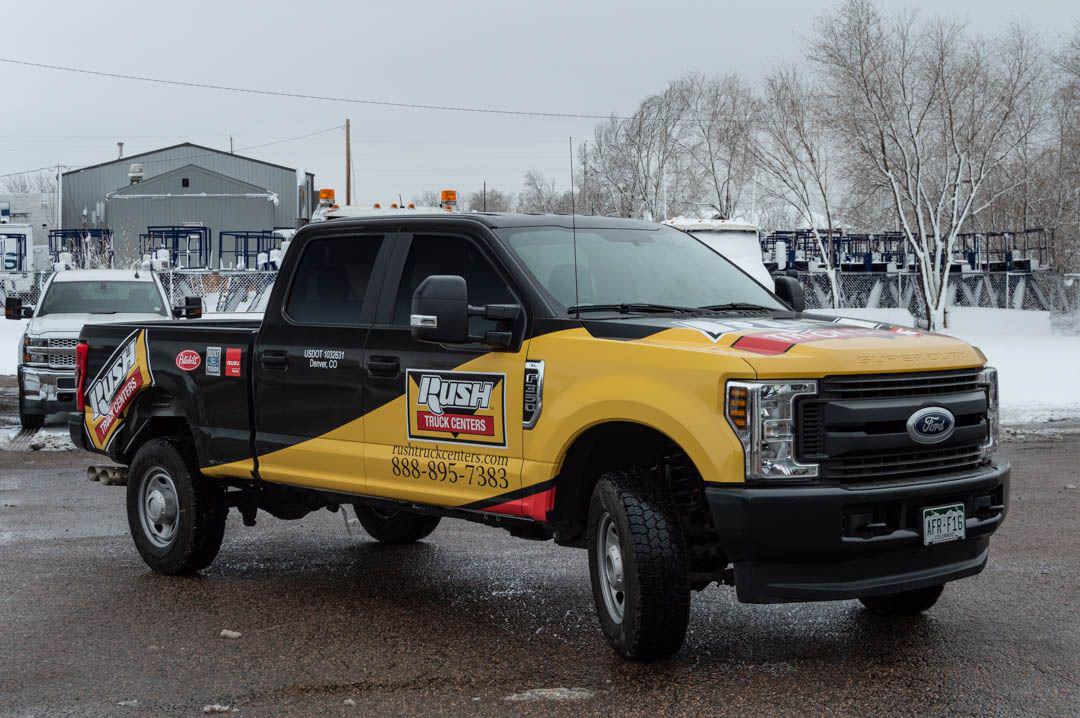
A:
(1037, 291)
(240, 291)
(221, 291)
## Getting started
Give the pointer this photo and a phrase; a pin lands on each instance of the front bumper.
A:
(824, 543)
(45, 391)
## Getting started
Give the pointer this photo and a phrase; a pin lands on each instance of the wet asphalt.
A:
(332, 623)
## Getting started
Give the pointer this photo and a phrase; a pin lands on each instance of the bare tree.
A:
(541, 195)
(793, 154)
(43, 181)
(934, 112)
(715, 138)
(492, 200)
(427, 198)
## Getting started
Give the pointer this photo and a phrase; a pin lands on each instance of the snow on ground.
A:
(1038, 371)
(11, 330)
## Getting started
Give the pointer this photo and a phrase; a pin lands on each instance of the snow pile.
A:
(1038, 370)
(11, 330)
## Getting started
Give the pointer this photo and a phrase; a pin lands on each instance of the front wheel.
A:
(28, 420)
(905, 603)
(175, 514)
(637, 564)
(395, 527)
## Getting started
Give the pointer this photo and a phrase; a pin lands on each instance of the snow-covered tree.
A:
(932, 110)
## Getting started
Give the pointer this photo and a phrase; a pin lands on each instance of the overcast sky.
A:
(589, 56)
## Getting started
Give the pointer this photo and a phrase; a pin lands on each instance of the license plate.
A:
(942, 524)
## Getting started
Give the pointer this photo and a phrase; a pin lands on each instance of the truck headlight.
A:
(988, 378)
(762, 413)
(35, 350)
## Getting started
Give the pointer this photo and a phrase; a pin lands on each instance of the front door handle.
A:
(383, 366)
(274, 360)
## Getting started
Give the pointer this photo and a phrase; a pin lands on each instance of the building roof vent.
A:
(135, 172)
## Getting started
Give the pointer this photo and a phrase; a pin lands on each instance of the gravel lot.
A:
(473, 621)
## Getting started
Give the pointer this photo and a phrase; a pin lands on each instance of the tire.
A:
(31, 421)
(28, 420)
(905, 603)
(395, 527)
(645, 558)
(179, 530)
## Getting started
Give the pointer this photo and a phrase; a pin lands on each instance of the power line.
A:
(302, 96)
(193, 157)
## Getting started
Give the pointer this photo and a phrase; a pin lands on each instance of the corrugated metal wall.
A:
(85, 190)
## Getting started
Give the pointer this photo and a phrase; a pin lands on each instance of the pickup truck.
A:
(608, 384)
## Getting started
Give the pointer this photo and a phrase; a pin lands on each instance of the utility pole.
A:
(59, 197)
(230, 145)
(485, 195)
(348, 162)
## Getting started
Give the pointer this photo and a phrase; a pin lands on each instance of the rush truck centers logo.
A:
(110, 393)
(456, 407)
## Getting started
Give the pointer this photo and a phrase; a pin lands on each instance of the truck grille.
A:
(855, 429)
(62, 353)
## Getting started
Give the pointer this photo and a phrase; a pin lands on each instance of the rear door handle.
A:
(383, 366)
(274, 360)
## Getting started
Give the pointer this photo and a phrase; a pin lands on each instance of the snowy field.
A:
(1039, 371)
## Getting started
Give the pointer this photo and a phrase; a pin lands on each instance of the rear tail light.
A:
(81, 350)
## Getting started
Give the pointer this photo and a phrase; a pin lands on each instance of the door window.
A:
(331, 280)
(440, 254)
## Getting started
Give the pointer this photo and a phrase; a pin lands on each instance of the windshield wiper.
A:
(630, 307)
(734, 306)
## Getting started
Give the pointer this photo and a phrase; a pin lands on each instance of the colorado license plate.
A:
(943, 523)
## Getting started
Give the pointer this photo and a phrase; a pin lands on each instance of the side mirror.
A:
(441, 311)
(192, 308)
(13, 308)
(790, 290)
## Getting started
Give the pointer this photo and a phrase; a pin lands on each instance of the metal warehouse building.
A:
(184, 185)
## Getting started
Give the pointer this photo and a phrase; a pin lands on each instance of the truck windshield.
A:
(624, 266)
(102, 298)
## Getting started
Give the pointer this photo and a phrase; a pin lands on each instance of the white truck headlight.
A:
(35, 350)
(762, 413)
(988, 378)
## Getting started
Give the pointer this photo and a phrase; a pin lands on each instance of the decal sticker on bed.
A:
(456, 407)
(125, 374)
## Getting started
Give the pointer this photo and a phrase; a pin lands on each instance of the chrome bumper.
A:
(44, 390)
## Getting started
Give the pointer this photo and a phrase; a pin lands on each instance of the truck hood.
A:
(71, 324)
(799, 345)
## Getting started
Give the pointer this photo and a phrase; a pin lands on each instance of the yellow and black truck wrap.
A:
(609, 384)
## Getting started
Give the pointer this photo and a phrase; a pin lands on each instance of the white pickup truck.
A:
(70, 299)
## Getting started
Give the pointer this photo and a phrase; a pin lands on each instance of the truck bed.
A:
(200, 368)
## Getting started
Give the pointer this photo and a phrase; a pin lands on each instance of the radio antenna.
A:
(573, 225)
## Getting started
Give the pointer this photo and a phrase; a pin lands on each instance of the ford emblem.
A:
(931, 425)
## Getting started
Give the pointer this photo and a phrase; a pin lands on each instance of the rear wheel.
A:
(637, 564)
(394, 527)
(175, 514)
(905, 603)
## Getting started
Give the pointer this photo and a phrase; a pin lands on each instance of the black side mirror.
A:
(13, 308)
(790, 290)
(192, 308)
(441, 311)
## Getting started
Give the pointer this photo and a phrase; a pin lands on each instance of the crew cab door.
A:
(474, 392)
(309, 363)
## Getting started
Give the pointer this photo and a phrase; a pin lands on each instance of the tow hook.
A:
(108, 475)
